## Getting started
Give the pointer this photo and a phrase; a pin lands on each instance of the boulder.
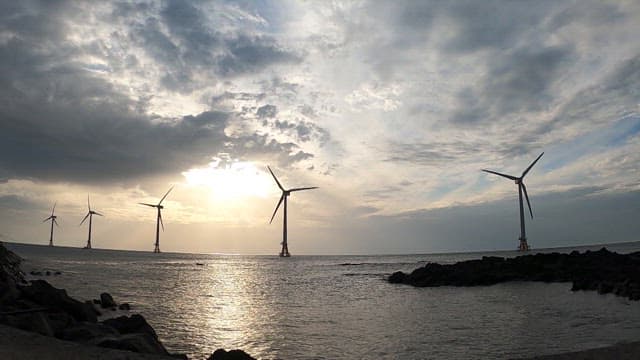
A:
(124, 306)
(86, 331)
(41, 292)
(131, 324)
(222, 354)
(397, 277)
(138, 342)
(107, 301)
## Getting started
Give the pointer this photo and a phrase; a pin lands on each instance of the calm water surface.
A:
(338, 307)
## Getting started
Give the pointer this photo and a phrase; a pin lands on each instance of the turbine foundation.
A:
(524, 246)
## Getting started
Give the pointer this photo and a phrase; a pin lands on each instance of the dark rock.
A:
(85, 331)
(397, 277)
(107, 301)
(90, 305)
(124, 306)
(131, 324)
(48, 273)
(41, 292)
(57, 273)
(97, 302)
(35, 322)
(35, 273)
(222, 354)
(138, 342)
(179, 356)
(602, 271)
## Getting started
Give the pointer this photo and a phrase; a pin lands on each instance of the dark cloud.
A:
(494, 24)
(60, 121)
(617, 96)
(433, 153)
(303, 131)
(515, 83)
(267, 111)
(184, 43)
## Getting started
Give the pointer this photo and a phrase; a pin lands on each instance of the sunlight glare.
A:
(231, 180)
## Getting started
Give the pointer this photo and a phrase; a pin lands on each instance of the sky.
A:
(391, 108)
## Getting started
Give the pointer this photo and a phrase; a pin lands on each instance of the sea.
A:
(338, 307)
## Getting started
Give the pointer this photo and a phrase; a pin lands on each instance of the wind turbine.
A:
(521, 188)
(53, 221)
(158, 220)
(89, 215)
(285, 194)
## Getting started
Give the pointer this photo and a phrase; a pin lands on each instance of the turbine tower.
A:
(524, 246)
(53, 221)
(90, 216)
(158, 220)
(285, 194)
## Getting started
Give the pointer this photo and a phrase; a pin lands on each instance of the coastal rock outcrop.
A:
(38, 307)
(106, 301)
(222, 354)
(42, 293)
(602, 271)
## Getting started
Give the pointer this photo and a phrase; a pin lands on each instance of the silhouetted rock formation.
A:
(41, 308)
(603, 271)
(106, 301)
(222, 354)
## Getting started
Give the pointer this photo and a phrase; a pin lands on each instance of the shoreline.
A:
(19, 344)
(40, 321)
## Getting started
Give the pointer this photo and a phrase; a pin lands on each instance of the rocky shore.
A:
(602, 271)
(48, 319)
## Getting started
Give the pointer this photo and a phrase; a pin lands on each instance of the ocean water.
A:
(338, 307)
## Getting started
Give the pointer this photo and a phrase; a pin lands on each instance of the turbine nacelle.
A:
(518, 181)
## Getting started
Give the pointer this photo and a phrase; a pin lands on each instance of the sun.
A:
(230, 179)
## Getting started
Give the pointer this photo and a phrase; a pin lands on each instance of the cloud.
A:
(516, 83)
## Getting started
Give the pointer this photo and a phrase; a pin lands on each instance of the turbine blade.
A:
(97, 213)
(47, 219)
(276, 179)
(526, 196)
(161, 223)
(276, 210)
(85, 218)
(499, 174)
(303, 188)
(55, 222)
(148, 204)
(54, 208)
(165, 195)
(530, 166)
(88, 203)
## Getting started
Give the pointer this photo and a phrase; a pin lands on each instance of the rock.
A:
(90, 305)
(35, 273)
(602, 271)
(106, 300)
(124, 306)
(85, 331)
(179, 356)
(138, 342)
(397, 277)
(41, 292)
(97, 302)
(131, 324)
(35, 322)
(57, 273)
(48, 273)
(222, 354)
